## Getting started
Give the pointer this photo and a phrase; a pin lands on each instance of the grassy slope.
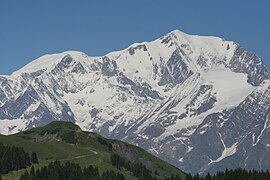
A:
(48, 144)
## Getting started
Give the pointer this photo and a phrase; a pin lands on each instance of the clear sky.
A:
(32, 28)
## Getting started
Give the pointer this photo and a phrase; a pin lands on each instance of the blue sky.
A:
(31, 28)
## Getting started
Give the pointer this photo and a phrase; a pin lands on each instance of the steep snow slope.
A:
(177, 97)
(47, 62)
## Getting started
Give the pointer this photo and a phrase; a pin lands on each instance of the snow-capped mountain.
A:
(201, 103)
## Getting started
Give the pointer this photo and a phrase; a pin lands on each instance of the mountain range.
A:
(199, 102)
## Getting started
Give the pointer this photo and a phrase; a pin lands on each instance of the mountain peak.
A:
(180, 33)
(200, 41)
(46, 62)
(177, 31)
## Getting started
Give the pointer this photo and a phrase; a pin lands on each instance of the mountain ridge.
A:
(162, 95)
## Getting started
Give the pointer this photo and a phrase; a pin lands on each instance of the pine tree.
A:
(196, 177)
(188, 177)
(208, 177)
(120, 176)
(32, 171)
(0, 166)
(25, 176)
(34, 157)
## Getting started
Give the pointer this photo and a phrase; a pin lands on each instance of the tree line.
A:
(105, 143)
(137, 169)
(236, 174)
(14, 158)
(69, 171)
(57, 171)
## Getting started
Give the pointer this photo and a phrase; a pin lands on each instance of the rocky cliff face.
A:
(201, 103)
